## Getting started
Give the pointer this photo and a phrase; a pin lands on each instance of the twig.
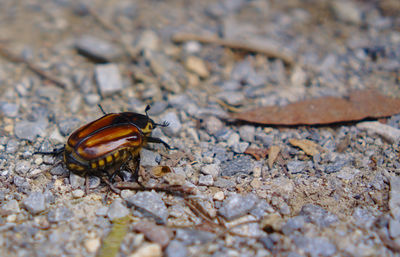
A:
(235, 44)
(162, 188)
(119, 35)
(17, 59)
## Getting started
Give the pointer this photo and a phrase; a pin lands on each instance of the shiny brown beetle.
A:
(104, 145)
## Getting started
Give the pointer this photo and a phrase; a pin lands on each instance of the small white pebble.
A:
(78, 193)
(11, 218)
(39, 161)
(148, 250)
(219, 196)
(92, 245)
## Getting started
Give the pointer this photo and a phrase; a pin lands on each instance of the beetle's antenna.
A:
(101, 109)
(147, 109)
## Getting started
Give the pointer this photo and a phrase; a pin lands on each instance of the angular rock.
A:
(35, 203)
(174, 124)
(97, 49)
(237, 205)
(117, 210)
(318, 215)
(108, 79)
(150, 204)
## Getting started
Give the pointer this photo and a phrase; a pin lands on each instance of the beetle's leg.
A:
(136, 159)
(55, 151)
(87, 184)
(157, 140)
(101, 109)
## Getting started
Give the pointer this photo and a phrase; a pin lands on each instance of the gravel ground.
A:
(343, 199)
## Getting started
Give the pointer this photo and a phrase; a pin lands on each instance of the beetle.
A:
(106, 144)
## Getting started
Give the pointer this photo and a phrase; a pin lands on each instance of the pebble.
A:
(149, 158)
(148, 40)
(11, 206)
(247, 133)
(92, 99)
(192, 47)
(150, 204)
(318, 215)
(293, 224)
(240, 147)
(190, 236)
(76, 181)
(117, 210)
(92, 244)
(155, 233)
(59, 170)
(157, 108)
(12, 146)
(22, 167)
(148, 250)
(315, 247)
(363, 218)
(394, 197)
(206, 180)
(176, 249)
(9, 109)
(174, 126)
(35, 203)
(97, 49)
(108, 79)
(29, 130)
(78, 193)
(394, 228)
(94, 181)
(198, 66)
(22, 184)
(233, 139)
(219, 196)
(102, 211)
(261, 208)
(295, 167)
(240, 165)
(67, 126)
(392, 135)
(231, 98)
(60, 214)
(211, 169)
(237, 205)
(213, 125)
(347, 11)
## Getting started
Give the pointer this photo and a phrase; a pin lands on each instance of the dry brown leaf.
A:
(358, 105)
(257, 153)
(273, 154)
(308, 146)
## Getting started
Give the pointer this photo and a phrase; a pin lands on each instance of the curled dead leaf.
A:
(308, 146)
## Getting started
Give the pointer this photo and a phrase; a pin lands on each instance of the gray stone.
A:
(211, 169)
(59, 170)
(240, 165)
(11, 206)
(347, 11)
(363, 218)
(392, 135)
(192, 47)
(76, 181)
(176, 249)
(240, 147)
(247, 133)
(237, 205)
(295, 167)
(157, 108)
(230, 85)
(9, 109)
(232, 98)
(174, 126)
(318, 215)
(22, 167)
(206, 180)
(224, 183)
(108, 79)
(92, 99)
(149, 158)
(315, 247)
(22, 184)
(67, 126)
(394, 201)
(148, 40)
(117, 210)
(150, 204)
(29, 130)
(35, 203)
(212, 125)
(94, 182)
(102, 211)
(49, 197)
(60, 214)
(293, 224)
(97, 49)
(12, 146)
(190, 236)
(394, 228)
(261, 208)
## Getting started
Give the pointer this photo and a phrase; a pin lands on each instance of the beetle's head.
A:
(150, 125)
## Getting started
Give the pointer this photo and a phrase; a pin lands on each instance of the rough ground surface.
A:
(340, 199)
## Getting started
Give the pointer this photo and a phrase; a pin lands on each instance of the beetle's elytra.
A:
(104, 145)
